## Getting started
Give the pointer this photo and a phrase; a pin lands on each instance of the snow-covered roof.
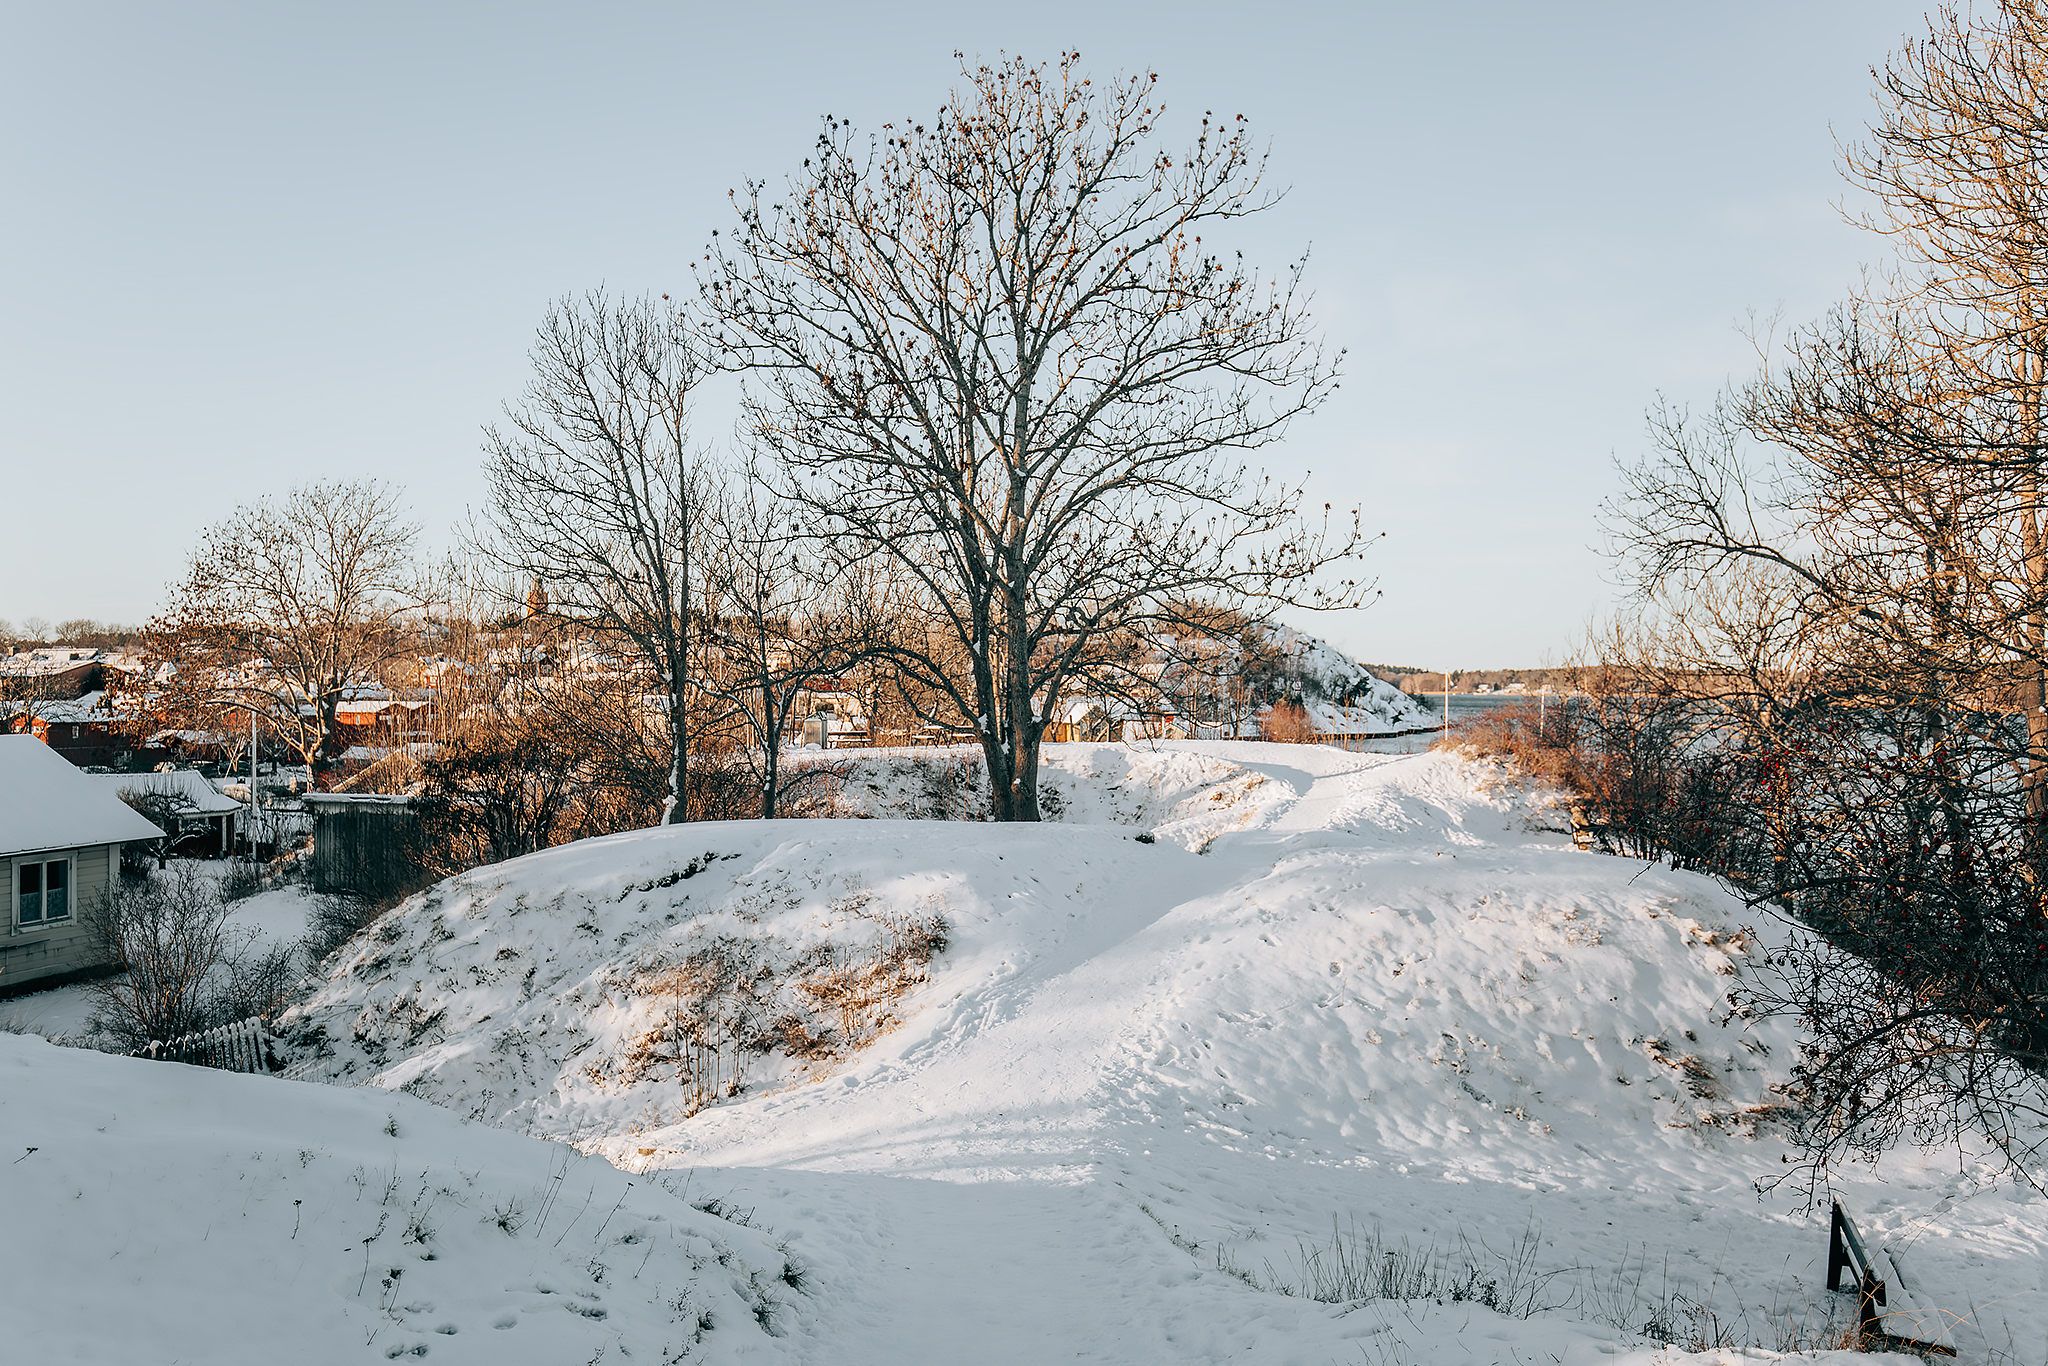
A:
(47, 659)
(45, 803)
(184, 784)
(90, 709)
(1075, 710)
(189, 737)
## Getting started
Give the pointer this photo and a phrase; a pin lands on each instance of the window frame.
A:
(68, 860)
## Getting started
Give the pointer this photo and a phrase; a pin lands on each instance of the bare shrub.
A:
(332, 921)
(1544, 745)
(186, 967)
(811, 790)
(240, 880)
(950, 787)
(255, 981)
(1642, 760)
(720, 786)
(170, 932)
(713, 1008)
(728, 1001)
(1287, 723)
(861, 993)
(166, 811)
(498, 789)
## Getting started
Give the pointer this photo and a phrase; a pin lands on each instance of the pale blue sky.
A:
(243, 246)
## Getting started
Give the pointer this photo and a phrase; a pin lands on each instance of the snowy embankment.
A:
(1126, 1105)
(1180, 792)
(162, 1213)
(1326, 673)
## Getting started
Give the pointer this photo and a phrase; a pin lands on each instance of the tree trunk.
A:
(2032, 695)
(678, 811)
(771, 747)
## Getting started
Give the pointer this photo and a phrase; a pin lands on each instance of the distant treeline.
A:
(1413, 680)
(81, 631)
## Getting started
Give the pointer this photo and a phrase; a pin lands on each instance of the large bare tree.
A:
(285, 607)
(595, 490)
(1005, 348)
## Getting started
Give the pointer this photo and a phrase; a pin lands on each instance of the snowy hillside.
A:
(1148, 784)
(162, 1213)
(1031, 1094)
(1334, 988)
(1327, 675)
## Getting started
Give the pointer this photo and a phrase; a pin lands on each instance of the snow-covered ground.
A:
(162, 1213)
(1145, 785)
(1131, 1103)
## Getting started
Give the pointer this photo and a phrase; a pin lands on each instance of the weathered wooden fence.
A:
(1363, 741)
(244, 1046)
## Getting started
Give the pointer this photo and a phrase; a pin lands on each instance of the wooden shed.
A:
(60, 853)
(365, 844)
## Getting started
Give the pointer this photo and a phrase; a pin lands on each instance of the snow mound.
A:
(548, 992)
(1148, 784)
(1145, 1079)
(157, 1212)
(1383, 959)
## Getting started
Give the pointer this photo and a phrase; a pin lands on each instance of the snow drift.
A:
(163, 1213)
(1120, 1087)
(1330, 988)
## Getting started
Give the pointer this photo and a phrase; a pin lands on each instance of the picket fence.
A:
(244, 1046)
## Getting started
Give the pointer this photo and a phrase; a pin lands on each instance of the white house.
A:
(61, 834)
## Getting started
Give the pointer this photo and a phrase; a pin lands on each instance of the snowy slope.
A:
(1129, 1102)
(1380, 994)
(1326, 674)
(162, 1213)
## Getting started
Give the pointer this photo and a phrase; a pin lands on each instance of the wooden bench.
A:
(1873, 1280)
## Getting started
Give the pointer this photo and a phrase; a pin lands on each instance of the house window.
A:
(42, 891)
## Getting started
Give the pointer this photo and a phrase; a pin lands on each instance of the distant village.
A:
(556, 698)
(1417, 682)
(110, 707)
